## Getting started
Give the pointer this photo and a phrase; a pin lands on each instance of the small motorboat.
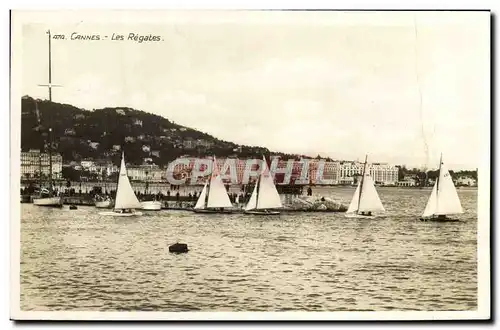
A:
(103, 203)
(151, 205)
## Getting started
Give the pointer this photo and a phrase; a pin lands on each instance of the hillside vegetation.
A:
(102, 134)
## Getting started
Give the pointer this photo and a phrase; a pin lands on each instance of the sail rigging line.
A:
(50, 160)
(125, 195)
(42, 145)
(438, 180)
(257, 187)
(417, 71)
(118, 179)
(212, 175)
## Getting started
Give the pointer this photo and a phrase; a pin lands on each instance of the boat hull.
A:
(362, 216)
(118, 214)
(262, 212)
(151, 205)
(103, 204)
(436, 219)
(212, 211)
(48, 201)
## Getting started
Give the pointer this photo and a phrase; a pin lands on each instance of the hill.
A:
(102, 133)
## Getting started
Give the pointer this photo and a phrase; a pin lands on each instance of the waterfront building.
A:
(105, 168)
(348, 171)
(465, 181)
(150, 173)
(88, 165)
(331, 172)
(407, 182)
(381, 173)
(30, 164)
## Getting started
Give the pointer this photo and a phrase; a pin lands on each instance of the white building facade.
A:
(30, 165)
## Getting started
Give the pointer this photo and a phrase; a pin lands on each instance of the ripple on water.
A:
(320, 262)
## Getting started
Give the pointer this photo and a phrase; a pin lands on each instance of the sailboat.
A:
(213, 198)
(150, 204)
(444, 198)
(365, 199)
(46, 196)
(265, 198)
(126, 200)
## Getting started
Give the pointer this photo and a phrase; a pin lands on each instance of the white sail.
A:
(264, 195)
(370, 201)
(252, 203)
(448, 201)
(444, 197)
(268, 197)
(430, 209)
(125, 196)
(353, 207)
(200, 204)
(217, 194)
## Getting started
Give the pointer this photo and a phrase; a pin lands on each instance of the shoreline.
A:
(167, 185)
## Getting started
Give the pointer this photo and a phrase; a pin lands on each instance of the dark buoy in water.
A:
(72, 207)
(178, 248)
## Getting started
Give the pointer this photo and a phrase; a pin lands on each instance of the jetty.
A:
(188, 205)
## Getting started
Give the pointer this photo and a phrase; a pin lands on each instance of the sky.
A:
(402, 87)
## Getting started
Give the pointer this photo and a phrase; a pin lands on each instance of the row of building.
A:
(331, 172)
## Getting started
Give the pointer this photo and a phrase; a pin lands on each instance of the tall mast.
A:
(118, 179)
(362, 180)
(257, 184)
(437, 180)
(50, 85)
(214, 167)
(42, 147)
(50, 128)
(50, 69)
(50, 159)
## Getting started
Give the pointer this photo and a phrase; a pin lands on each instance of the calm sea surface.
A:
(78, 260)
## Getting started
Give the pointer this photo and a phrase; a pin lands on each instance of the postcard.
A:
(244, 165)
